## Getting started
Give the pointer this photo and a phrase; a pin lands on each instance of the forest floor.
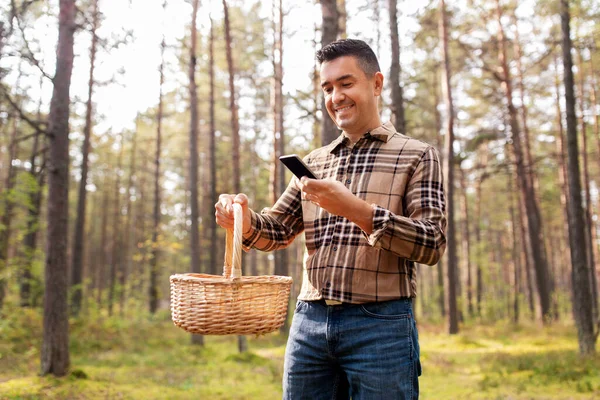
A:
(142, 358)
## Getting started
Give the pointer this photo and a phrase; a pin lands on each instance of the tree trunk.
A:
(397, 105)
(235, 142)
(440, 285)
(582, 296)
(526, 251)
(466, 242)
(516, 260)
(596, 117)
(375, 19)
(193, 175)
(129, 230)
(153, 288)
(212, 225)
(530, 168)
(281, 256)
(441, 299)
(55, 342)
(479, 273)
(316, 96)
(342, 19)
(277, 172)
(117, 233)
(329, 31)
(448, 164)
(79, 233)
(100, 278)
(562, 168)
(589, 222)
(140, 226)
(235, 128)
(544, 280)
(30, 239)
(7, 209)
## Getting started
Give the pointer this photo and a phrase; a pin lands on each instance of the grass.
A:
(507, 362)
(148, 358)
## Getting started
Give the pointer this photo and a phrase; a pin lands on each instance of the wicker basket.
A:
(230, 304)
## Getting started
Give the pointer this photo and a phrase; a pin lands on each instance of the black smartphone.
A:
(297, 166)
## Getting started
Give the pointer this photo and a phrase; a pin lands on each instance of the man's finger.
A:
(226, 201)
(241, 199)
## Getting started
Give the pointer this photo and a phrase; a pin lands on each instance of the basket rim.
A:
(207, 278)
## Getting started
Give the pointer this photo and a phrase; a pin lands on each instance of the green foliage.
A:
(143, 356)
(504, 361)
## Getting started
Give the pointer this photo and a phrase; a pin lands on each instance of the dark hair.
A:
(367, 60)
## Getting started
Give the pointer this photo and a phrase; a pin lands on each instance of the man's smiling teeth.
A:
(343, 108)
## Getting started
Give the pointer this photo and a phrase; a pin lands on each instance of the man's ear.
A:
(378, 80)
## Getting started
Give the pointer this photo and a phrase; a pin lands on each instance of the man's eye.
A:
(347, 85)
(327, 90)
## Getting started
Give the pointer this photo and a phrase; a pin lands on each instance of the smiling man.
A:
(377, 209)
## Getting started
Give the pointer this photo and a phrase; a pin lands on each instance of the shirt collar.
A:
(383, 133)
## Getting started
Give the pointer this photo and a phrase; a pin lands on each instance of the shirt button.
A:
(348, 181)
(334, 248)
(328, 284)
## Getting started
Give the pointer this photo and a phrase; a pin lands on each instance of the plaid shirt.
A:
(401, 177)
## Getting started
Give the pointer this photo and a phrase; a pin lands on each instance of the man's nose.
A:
(338, 96)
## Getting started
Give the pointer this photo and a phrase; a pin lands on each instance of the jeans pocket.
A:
(299, 305)
(394, 309)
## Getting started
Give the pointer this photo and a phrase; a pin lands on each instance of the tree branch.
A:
(29, 55)
(36, 125)
(24, 138)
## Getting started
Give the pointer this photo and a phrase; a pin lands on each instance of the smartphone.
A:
(297, 166)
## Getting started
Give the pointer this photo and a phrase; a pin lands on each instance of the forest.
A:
(121, 123)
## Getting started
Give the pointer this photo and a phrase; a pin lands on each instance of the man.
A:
(377, 209)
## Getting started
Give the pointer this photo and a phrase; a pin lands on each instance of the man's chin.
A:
(342, 124)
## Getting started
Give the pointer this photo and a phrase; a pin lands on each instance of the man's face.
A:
(351, 96)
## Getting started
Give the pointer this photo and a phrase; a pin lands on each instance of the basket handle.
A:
(233, 245)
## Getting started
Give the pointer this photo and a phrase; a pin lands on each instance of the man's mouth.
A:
(342, 109)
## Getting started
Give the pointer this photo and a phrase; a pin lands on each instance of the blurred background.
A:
(118, 134)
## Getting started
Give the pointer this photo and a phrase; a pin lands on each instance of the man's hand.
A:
(337, 199)
(224, 211)
(329, 194)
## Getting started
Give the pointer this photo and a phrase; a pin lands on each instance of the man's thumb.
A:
(241, 199)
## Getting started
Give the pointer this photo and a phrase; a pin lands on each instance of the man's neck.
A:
(356, 136)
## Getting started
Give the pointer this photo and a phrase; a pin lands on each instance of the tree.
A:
(449, 168)
(78, 234)
(582, 295)
(329, 32)
(278, 186)
(55, 343)
(342, 19)
(397, 105)
(466, 238)
(117, 242)
(8, 205)
(129, 231)
(235, 134)
(212, 167)
(589, 222)
(193, 174)
(37, 174)
(153, 288)
(543, 278)
(235, 127)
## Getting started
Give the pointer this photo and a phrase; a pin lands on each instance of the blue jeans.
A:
(368, 351)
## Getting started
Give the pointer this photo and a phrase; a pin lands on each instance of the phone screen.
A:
(297, 166)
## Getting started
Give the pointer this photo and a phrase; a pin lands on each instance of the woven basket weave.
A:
(230, 304)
